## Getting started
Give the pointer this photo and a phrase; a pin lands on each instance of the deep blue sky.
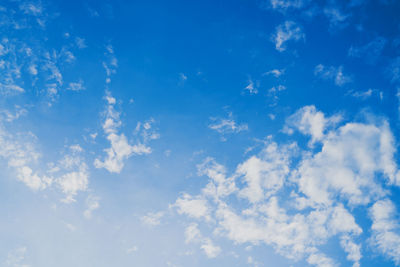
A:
(199, 133)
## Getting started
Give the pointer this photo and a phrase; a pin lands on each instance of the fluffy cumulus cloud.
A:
(120, 148)
(288, 31)
(296, 199)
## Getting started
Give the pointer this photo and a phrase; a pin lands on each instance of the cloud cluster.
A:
(120, 149)
(295, 200)
(287, 31)
(70, 174)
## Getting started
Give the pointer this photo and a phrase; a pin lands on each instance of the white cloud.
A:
(346, 165)
(252, 206)
(76, 176)
(278, 88)
(70, 174)
(332, 73)
(264, 176)
(11, 116)
(210, 249)
(385, 229)
(195, 207)
(362, 94)
(120, 149)
(92, 203)
(275, 72)
(288, 31)
(335, 16)
(219, 185)
(352, 249)
(283, 5)
(227, 125)
(31, 8)
(76, 86)
(111, 63)
(252, 87)
(152, 218)
(132, 250)
(80, 43)
(193, 235)
(320, 260)
(309, 121)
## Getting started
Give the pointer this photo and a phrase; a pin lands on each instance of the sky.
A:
(199, 133)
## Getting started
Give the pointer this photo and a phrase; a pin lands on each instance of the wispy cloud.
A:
(332, 73)
(252, 86)
(152, 218)
(275, 72)
(120, 149)
(288, 31)
(370, 51)
(226, 125)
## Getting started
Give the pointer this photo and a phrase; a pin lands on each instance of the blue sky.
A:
(200, 133)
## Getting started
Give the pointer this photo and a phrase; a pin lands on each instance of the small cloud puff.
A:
(288, 31)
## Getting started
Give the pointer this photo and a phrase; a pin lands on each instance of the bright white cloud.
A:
(193, 235)
(288, 31)
(120, 149)
(386, 229)
(311, 122)
(227, 125)
(249, 207)
(195, 207)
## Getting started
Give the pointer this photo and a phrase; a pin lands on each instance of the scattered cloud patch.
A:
(152, 218)
(226, 125)
(275, 72)
(16, 258)
(92, 204)
(76, 86)
(120, 149)
(283, 5)
(193, 235)
(288, 31)
(252, 87)
(332, 73)
(350, 168)
(386, 229)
